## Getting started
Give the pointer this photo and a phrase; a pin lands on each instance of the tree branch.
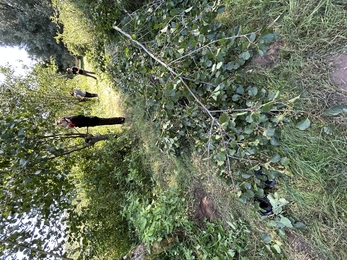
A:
(182, 79)
(169, 69)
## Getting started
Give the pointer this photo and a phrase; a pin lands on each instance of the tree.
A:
(27, 24)
(36, 192)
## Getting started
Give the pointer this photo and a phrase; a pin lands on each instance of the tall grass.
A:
(318, 188)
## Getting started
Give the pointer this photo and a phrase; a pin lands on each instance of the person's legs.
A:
(91, 94)
(85, 74)
(90, 72)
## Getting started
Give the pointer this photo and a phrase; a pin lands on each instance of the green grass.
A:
(317, 188)
(312, 31)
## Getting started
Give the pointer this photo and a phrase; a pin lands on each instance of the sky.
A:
(15, 57)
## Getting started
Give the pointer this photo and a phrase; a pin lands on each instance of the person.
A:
(87, 121)
(82, 94)
(77, 71)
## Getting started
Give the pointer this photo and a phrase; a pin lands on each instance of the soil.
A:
(204, 207)
(301, 249)
(339, 74)
(269, 58)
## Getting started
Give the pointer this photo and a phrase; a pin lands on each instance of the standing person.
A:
(86, 121)
(82, 94)
(78, 71)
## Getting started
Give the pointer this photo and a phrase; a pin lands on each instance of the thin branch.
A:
(168, 68)
(70, 151)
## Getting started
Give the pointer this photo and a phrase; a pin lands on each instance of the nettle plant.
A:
(190, 73)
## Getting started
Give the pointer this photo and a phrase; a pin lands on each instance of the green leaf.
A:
(170, 105)
(303, 124)
(285, 161)
(259, 193)
(272, 223)
(282, 233)
(253, 91)
(23, 162)
(252, 37)
(224, 118)
(188, 10)
(266, 238)
(269, 132)
(221, 9)
(293, 99)
(195, 32)
(174, 12)
(220, 157)
(334, 111)
(275, 159)
(277, 248)
(208, 63)
(245, 55)
(240, 90)
(299, 225)
(329, 129)
(267, 107)
(274, 141)
(245, 175)
(286, 221)
(231, 253)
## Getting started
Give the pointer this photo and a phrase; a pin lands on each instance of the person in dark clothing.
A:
(87, 121)
(78, 71)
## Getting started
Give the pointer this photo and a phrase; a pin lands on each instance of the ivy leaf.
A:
(303, 124)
